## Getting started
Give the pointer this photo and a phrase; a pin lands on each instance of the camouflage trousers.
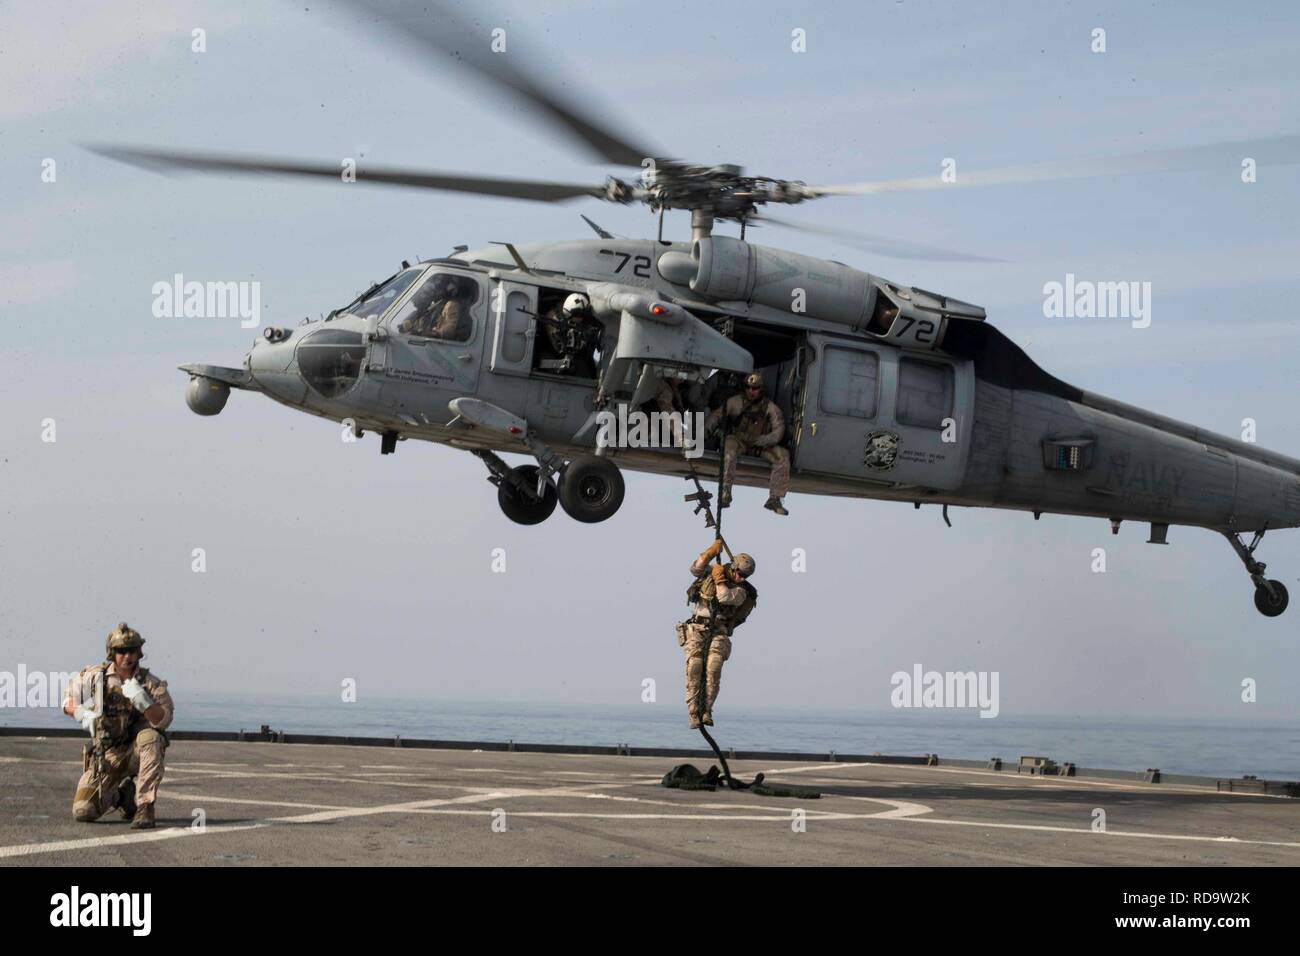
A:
(99, 789)
(733, 447)
(705, 653)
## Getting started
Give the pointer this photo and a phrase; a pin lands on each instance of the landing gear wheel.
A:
(523, 510)
(1271, 606)
(591, 489)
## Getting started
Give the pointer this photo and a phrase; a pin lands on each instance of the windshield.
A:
(376, 300)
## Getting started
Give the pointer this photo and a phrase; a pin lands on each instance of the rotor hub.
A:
(723, 190)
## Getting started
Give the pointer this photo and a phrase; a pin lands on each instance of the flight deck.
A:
(257, 803)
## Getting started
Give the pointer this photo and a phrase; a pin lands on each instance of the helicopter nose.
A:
(272, 351)
(270, 362)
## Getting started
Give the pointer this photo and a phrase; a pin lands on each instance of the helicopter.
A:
(890, 391)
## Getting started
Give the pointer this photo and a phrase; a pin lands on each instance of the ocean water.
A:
(1270, 750)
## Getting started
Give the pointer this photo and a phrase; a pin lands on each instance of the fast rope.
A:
(703, 499)
(732, 782)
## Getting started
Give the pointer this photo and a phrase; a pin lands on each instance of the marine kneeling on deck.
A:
(125, 709)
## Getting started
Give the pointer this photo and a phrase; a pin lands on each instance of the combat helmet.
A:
(123, 637)
(743, 564)
(575, 304)
(754, 379)
(435, 290)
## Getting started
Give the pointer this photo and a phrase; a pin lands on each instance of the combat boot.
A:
(774, 504)
(126, 800)
(695, 722)
(143, 818)
(707, 719)
(724, 499)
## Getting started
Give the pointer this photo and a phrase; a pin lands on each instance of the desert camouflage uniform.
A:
(447, 319)
(670, 400)
(706, 638)
(453, 322)
(126, 744)
(754, 428)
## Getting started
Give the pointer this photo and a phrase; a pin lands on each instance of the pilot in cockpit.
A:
(439, 311)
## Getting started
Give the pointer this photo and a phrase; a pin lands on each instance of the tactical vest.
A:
(751, 423)
(446, 319)
(728, 616)
(120, 720)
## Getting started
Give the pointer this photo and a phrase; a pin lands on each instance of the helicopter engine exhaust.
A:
(725, 269)
(206, 396)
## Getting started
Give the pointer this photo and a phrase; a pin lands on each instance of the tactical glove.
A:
(712, 551)
(719, 575)
(137, 695)
(86, 718)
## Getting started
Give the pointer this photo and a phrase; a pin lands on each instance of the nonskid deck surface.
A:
(303, 804)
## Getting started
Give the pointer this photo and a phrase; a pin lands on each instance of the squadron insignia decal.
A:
(882, 450)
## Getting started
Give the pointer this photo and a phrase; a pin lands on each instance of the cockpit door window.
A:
(441, 308)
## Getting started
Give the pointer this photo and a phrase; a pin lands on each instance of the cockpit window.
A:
(376, 300)
(440, 309)
(330, 360)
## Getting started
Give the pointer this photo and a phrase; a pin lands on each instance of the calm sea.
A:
(1220, 749)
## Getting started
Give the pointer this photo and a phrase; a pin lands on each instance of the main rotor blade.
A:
(881, 245)
(434, 24)
(163, 161)
(1277, 151)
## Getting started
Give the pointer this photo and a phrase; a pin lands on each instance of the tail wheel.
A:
(1274, 604)
(591, 489)
(521, 509)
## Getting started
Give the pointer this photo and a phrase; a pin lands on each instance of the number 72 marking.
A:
(640, 264)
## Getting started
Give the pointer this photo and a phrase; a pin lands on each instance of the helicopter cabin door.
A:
(430, 346)
(513, 327)
(880, 414)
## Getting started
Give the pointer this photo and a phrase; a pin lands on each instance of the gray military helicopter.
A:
(890, 391)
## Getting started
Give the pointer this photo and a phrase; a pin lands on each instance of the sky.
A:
(326, 562)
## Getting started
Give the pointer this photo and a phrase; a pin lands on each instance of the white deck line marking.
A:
(253, 801)
(724, 817)
(125, 839)
(896, 812)
(508, 773)
(895, 809)
(1005, 778)
(327, 778)
(899, 810)
(171, 833)
(1106, 833)
(497, 794)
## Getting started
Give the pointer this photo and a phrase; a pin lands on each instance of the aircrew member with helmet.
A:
(573, 335)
